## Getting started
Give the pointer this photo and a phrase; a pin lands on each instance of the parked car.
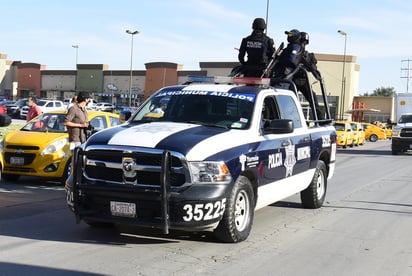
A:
(344, 134)
(108, 107)
(50, 105)
(23, 112)
(91, 105)
(13, 108)
(45, 106)
(358, 133)
(66, 102)
(41, 147)
(388, 130)
(3, 109)
(373, 133)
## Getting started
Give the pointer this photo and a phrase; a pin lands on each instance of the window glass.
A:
(98, 123)
(114, 121)
(289, 110)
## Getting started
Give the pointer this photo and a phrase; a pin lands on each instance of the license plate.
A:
(17, 160)
(123, 209)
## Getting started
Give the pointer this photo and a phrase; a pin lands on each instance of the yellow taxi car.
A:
(374, 133)
(41, 147)
(388, 131)
(358, 133)
(344, 134)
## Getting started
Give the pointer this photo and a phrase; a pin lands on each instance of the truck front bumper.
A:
(401, 144)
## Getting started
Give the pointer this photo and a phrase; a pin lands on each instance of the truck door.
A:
(298, 150)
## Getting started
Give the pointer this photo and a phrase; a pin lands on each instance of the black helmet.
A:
(304, 38)
(293, 36)
(259, 24)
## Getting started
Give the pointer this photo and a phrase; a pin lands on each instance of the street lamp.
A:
(132, 33)
(77, 55)
(77, 52)
(343, 76)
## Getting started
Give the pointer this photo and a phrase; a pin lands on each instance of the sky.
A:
(187, 32)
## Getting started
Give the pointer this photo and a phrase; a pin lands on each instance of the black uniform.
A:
(295, 55)
(259, 49)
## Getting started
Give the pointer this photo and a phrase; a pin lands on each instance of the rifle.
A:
(273, 61)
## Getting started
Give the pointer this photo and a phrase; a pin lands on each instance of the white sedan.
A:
(108, 107)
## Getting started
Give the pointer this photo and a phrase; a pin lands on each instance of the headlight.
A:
(210, 172)
(55, 146)
(2, 145)
(396, 132)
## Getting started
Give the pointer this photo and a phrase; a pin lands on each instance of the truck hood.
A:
(197, 142)
(402, 125)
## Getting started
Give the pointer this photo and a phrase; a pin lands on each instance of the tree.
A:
(383, 92)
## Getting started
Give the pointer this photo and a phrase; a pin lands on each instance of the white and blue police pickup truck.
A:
(203, 157)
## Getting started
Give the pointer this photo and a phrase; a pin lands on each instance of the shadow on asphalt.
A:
(34, 208)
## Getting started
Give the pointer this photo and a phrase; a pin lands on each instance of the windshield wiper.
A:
(143, 121)
(207, 124)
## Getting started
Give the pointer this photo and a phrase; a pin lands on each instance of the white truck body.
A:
(403, 104)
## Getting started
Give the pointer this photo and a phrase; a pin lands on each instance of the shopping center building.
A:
(121, 87)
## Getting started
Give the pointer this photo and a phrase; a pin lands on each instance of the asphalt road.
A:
(364, 228)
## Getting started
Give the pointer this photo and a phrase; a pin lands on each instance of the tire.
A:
(67, 171)
(373, 138)
(237, 220)
(314, 195)
(10, 177)
(395, 151)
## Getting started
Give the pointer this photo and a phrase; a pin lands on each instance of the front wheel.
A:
(237, 220)
(10, 177)
(314, 195)
(67, 171)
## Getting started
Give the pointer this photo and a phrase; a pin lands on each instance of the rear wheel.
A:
(237, 220)
(373, 138)
(314, 195)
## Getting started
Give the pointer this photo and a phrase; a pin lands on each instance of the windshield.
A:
(47, 123)
(41, 103)
(405, 119)
(340, 127)
(231, 110)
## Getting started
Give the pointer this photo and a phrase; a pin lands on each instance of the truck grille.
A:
(137, 166)
(406, 133)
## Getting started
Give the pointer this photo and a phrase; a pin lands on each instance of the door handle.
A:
(285, 143)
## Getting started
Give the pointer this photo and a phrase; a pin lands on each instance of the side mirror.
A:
(5, 120)
(124, 116)
(279, 126)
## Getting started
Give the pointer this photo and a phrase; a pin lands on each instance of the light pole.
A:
(77, 52)
(132, 33)
(343, 76)
(77, 55)
(267, 15)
